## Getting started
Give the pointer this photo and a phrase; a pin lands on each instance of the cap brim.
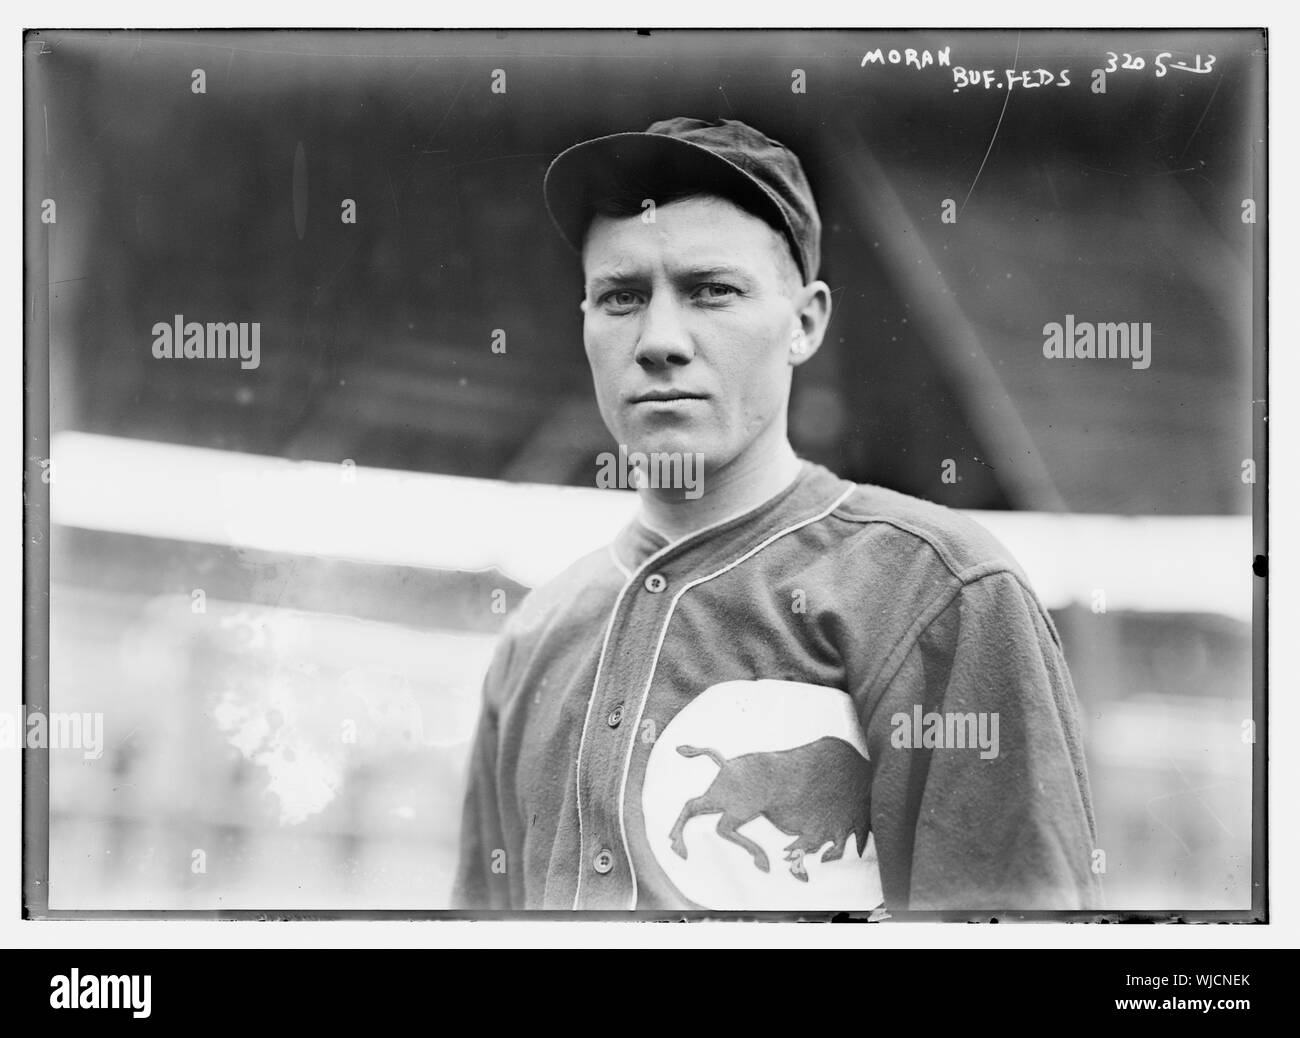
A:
(650, 163)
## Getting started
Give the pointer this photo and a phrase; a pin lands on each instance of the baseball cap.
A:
(681, 155)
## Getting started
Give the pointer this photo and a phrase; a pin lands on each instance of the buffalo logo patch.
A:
(757, 795)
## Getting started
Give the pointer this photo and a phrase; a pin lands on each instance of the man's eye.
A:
(622, 299)
(715, 292)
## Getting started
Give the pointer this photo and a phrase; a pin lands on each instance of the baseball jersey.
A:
(844, 699)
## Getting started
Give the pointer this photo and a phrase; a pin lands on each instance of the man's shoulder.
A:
(929, 556)
(949, 539)
(580, 591)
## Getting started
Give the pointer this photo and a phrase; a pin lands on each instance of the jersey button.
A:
(603, 862)
(655, 583)
(616, 716)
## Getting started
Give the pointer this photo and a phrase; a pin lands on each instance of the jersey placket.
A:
(605, 873)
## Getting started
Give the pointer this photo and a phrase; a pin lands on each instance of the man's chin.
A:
(705, 444)
(668, 444)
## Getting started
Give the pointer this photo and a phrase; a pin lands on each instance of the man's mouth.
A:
(659, 396)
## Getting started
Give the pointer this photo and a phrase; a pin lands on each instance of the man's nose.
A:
(664, 339)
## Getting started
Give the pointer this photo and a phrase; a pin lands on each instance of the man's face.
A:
(688, 328)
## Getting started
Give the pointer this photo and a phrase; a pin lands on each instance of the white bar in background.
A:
(1177, 564)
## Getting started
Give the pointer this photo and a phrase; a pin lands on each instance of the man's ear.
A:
(813, 313)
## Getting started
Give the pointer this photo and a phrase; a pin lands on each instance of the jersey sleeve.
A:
(482, 871)
(1005, 824)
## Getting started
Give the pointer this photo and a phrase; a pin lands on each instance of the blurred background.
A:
(280, 585)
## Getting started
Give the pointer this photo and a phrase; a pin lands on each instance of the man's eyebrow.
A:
(721, 270)
(603, 281)
(685, 275)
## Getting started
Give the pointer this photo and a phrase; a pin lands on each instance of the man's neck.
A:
(734, 490)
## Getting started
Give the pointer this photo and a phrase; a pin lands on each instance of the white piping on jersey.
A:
(600, 664)
(586, 722)
(627, 573)
(654, 665)
(659, 533)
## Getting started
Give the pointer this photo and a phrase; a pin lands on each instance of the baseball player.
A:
(788, 691)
